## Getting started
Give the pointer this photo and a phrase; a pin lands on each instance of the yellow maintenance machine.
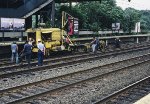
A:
(51, 37)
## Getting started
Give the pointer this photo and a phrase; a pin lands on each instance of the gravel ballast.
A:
(88, 92)
(50, 73)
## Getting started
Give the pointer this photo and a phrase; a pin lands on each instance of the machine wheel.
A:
(69, 48)
(85, 49)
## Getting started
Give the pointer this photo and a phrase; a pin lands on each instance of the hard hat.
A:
(39, 40)
(30, 38)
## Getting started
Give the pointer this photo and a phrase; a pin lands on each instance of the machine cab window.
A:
(46, 36)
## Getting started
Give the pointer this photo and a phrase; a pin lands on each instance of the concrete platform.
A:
(144, 100)
(5, 47)
(7, 43)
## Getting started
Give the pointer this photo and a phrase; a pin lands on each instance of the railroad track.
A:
(25, 93)
(129, 94)
(59, 62)
(6, 62)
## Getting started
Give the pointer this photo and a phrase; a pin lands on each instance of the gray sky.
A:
(137, 4)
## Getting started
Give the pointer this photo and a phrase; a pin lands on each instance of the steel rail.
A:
(105, 99)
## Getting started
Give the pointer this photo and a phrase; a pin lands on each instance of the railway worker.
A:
(97, 44)
(31, 41)
(93, 43)
(41, 52)
(117, 43)
(14, 49)
(26, 52)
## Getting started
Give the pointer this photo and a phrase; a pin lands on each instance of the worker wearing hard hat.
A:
(41, 52)
(31, 41)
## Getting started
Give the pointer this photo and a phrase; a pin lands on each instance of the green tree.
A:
(95, 15)
(131, 17)
(145, 20)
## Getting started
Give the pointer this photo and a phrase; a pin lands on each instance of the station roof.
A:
(11, 3)
(17, 3)
(64, 1)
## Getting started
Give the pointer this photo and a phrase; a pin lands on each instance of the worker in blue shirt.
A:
(26, 52)
(117, 43)
(14, 49)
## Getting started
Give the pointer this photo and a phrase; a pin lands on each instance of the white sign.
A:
(138, 27)
(19, 24)
(115, 26)
(12, 24)
(7, 24)
(76, 26)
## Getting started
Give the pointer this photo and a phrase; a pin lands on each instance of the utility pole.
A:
(53, 13)
(70, 4)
